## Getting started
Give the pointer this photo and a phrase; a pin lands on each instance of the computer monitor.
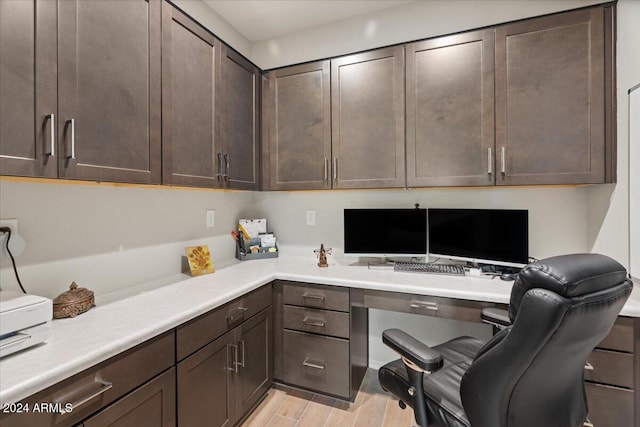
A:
(485, 236)
(385, 232)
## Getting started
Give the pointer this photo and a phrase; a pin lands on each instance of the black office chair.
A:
(529, 374)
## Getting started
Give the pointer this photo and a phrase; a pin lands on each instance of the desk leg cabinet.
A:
(320, 341)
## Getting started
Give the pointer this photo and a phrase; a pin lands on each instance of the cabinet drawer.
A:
(610, 367)
(609, 406)
(316, 296)
(106, 382)
(420, 304)
(316, 362)
(200, 331)
(326, 322)
(621, 336)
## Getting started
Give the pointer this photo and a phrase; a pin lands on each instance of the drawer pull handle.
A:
(104, 387)
(52, 135)
(588, 367)
(313, 322)
(241, 345)
(313, 364)
(427, 305)
(237, 313)
(312, 296)
(587, 424)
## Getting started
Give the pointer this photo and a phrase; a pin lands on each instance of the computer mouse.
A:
(508, 276)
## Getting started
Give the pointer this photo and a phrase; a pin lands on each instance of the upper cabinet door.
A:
(367, 100)
(28, 88)
(298, 116)
(450, 111)
(550, 99)
(240, 121)
(109, 90)
(190, 102)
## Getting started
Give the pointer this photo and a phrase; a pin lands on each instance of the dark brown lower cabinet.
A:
(153, 404)
(221, 382)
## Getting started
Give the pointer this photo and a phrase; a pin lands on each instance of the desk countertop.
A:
(106, 330)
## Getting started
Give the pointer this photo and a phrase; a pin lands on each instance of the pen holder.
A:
(262, 252)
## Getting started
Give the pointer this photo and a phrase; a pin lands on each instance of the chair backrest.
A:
(532, 373)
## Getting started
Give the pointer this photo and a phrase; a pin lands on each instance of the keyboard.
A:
(421, 267)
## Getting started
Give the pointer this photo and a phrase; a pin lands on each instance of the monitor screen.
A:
(385, 232)
(492, 236)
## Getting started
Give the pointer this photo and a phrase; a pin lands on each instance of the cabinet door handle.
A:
(503, 165)
(427, 305)
(313, 364)
(52, 135)
(326, 169)
(313, 296)
(588, 367)
(234, 363)
(219, 174)
(236, 314)
(241, 345)
(335, 168)
(489, 161)
(226, 166)
(313, 322)
(104, 387)
(72, 130)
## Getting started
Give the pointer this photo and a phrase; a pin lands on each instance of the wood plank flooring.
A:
(290, 407)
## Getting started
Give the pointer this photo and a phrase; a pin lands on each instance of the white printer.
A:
(25, 320)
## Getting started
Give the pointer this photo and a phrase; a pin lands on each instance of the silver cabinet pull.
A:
(335, 168)
(241, 345)
(313, 322)
(313, 296)
(427, 305)
(503, 167)
(104, 387)
(219, 174)
(313, 364)
(226, 165)
(587, 424)
(234, 363)
(236, 314)
(52, 135)
(326, 169)
(588, 367)
(72, 129)
(489, 161)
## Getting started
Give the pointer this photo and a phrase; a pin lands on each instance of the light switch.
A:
(311, 217)
(211, 218)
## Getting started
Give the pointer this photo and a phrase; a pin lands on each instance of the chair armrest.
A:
(413, 350)
(496, 317)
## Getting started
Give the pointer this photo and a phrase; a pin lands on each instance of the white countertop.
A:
(106, 330)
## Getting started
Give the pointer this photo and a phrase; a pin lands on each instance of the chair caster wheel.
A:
(402, 405)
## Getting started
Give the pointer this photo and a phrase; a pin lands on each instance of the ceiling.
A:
(259, 20)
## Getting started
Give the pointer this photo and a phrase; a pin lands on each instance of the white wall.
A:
(609, 204)
(413, 21)
(108, 237)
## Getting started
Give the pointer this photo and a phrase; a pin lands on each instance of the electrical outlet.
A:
(311, 217)
(211, 218)
(13, 225)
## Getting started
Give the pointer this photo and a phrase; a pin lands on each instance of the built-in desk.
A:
(111, 329)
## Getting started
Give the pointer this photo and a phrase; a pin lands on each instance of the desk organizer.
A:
(261, 254)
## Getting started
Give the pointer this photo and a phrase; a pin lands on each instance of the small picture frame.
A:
(199, 259)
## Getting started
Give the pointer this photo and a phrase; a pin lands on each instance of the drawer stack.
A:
(609, 376)
(314, 328)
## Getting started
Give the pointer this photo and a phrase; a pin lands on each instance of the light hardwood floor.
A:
(289, 407)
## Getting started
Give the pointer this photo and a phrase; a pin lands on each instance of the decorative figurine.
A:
(322, 255)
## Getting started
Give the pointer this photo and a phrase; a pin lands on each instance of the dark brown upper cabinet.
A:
(109, 90)
(297, 108)
(450, 111)
(239, 155)
(190, 102)
(553, 99)
(28, 88)
(367, 119)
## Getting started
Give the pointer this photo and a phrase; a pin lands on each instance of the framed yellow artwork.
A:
(199, 259)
